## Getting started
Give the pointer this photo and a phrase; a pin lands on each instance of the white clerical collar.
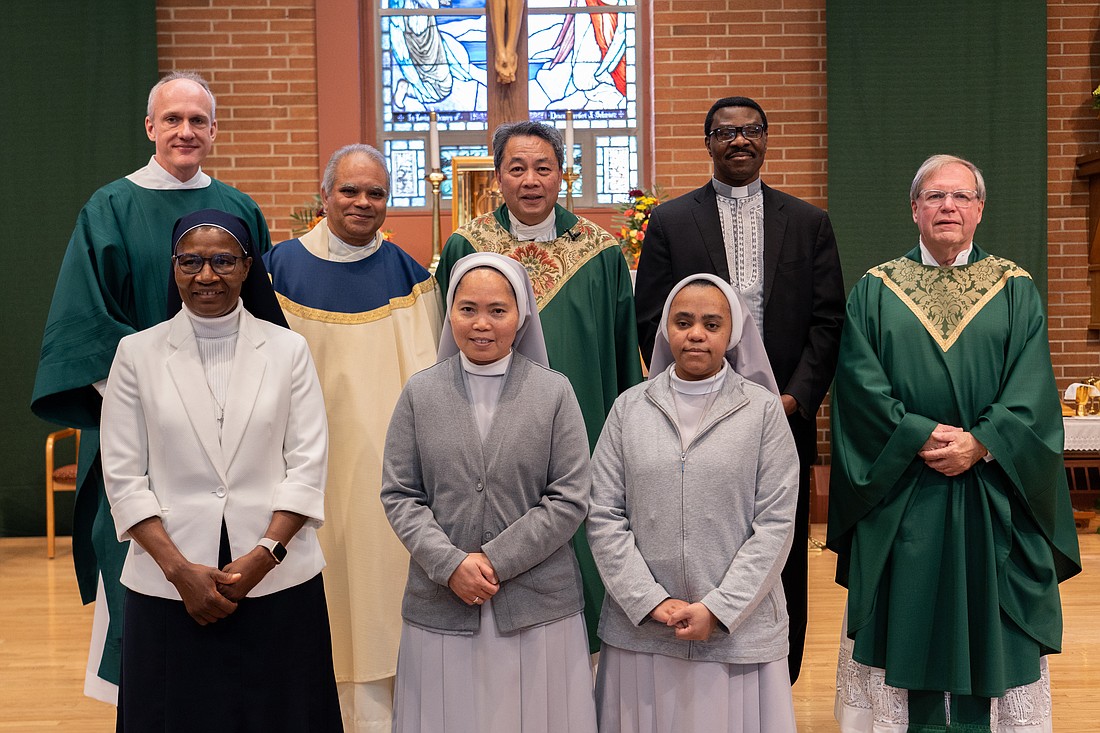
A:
(493, 369)
(736, 192)
(699, 386)
(155, 178)
(341, 251)
(218, 326)
(926, 257)
(544, 231)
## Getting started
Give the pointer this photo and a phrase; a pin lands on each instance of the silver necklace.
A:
(219, 405)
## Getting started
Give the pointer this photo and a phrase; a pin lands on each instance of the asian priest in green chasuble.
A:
(948, 505)
(582, 285)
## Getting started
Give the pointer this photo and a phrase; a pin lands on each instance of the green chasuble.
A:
(113, 282)
(586, 305)
(952, 581)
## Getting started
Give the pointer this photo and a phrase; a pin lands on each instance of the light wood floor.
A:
(44, 637)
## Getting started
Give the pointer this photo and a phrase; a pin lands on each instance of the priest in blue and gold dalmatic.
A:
(372, 317)
(949, 510)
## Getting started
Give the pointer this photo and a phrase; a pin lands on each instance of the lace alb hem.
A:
(864, 702)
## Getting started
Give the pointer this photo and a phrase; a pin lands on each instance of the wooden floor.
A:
(44, 638)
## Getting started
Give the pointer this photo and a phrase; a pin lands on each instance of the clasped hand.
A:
(951, 450)
(210, 594)
(200, 588)
(691, 621)
(474, 580)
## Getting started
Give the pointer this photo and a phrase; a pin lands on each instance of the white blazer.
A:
(161, 455)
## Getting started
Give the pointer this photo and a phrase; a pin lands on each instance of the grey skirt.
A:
(537, 680)
(638, 692)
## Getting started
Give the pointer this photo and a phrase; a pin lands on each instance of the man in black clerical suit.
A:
(781, 255)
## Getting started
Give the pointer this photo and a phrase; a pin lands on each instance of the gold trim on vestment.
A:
(549, 264)
(323, 316)
(946, 299)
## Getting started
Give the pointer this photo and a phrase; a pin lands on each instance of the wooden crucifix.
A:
(506, 46)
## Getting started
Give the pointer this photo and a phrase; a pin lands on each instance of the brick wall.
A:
(260, 59)
(1073, 70)
(771, 51)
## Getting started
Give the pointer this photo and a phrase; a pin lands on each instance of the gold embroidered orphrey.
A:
(549, 264)
(946, 299)
(307, 313)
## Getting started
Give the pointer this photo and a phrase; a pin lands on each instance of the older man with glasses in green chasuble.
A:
(949, 510)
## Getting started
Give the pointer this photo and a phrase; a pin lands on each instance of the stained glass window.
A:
(584, 62)
(406, 161)
(616, 168)
(434, 62)
(582, 57)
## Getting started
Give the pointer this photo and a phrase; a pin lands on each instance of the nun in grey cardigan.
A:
(708, 520)
(491, 459)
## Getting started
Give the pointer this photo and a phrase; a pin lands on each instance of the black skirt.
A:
(266, 667)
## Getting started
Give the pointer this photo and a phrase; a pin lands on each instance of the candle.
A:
(569, 140)
(433, 141)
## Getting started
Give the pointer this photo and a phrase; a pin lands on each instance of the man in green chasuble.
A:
(581, 282)
(949, 510)
(114, 281)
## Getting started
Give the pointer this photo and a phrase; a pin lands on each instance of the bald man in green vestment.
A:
(949, 510)
(114, 281)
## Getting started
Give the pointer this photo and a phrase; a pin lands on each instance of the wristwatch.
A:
(276, 548)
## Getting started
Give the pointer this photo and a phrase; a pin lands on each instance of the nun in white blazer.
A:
(214, 447)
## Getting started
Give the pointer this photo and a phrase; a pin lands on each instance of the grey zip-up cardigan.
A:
(518, 497)
(712, 524)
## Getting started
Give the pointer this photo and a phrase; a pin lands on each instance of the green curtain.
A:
(76, 76)
(909, 80)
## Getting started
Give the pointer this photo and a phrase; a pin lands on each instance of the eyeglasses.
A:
(728, 134)
(221, 264)
(964, 198)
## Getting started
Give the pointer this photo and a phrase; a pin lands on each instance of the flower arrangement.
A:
(1096, 98)
(307, 216)
(635, 221)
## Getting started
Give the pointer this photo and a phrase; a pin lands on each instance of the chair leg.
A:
(50, 539)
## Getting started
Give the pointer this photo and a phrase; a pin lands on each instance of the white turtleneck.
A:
(544, 231)
(692, 399)
(483, 385)
(217, 342)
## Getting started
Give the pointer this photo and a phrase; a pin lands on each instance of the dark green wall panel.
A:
(908, 80)
(76, 76)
